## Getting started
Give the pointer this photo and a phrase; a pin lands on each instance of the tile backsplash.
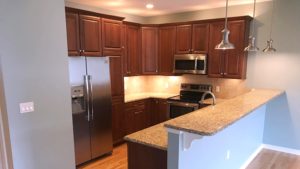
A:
(171, 84)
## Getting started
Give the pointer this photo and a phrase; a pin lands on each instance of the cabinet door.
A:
(72, 21)
(215, 57)
(200, 38)
(90, 35)
(149, 50)
(236, 60)
(111, 37)
(116, 76)
(133, 50)
(118, 116)
(183, 42)
(159, 109)
(163, 110)
(167, 42)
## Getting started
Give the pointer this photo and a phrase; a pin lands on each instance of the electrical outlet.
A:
(228, 155)
(217, 88)
(26, 107)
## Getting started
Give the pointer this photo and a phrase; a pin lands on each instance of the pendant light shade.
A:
(270, 47)
(252, 46)
(225, 44)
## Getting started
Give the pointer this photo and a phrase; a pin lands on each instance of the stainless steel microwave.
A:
(190, 63)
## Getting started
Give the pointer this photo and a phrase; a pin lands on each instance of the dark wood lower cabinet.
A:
(144, 113)
(136, 116)
(158, 110)
(145, 157)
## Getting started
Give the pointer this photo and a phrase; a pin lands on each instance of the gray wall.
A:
(34, 65)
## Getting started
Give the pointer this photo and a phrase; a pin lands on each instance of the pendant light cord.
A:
(272, 18)
(226, 14)
(253, 22)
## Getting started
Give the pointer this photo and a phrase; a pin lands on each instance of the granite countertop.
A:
(212, 119)
(155, 136)
(141, 96)
(205, 121)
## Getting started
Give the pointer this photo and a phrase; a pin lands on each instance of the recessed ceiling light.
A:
(149, 6)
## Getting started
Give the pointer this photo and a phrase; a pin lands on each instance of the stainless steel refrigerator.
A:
(91, 107)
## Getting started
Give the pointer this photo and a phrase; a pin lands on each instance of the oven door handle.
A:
(183, 104)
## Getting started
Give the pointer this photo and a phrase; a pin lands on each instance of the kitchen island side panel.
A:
(229, 148)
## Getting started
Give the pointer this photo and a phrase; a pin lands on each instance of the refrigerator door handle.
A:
(91, 96)
(87, 91)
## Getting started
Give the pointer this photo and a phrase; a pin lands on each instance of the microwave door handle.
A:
(87, 95)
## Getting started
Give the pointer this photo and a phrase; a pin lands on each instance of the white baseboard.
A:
(252, 156)
(282, 149)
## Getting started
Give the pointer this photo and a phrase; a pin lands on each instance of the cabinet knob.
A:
(123, 47)
(82, 50)
(224, 73)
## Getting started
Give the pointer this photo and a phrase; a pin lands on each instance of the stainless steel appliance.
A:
(189, 99)
(190, 63)
(91, 107)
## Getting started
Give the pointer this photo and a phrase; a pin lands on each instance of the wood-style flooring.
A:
(269, 159)
(266, 159)
(118, 160)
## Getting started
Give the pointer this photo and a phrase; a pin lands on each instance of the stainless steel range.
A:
(189, 99)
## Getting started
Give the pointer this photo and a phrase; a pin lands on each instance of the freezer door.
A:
(81, 125)
(101, 127)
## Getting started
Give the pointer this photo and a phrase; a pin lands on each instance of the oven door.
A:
(180, 108)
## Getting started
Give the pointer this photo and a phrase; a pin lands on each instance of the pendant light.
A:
(225, 44)
(252, 46)
(270, 47)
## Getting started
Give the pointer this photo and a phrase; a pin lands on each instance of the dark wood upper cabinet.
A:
(228, 63)
(112, 37)
(72, 24)
(200, 38)
(132, 59)
(215, 57)
(183, 42)
(167, 43)
(90, 35)
(235, 65)
(116, 76)
(149, 50)
(192, 38)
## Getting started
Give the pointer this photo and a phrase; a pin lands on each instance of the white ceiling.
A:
(137, 7)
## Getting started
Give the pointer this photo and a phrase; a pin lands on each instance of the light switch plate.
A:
(26, 107)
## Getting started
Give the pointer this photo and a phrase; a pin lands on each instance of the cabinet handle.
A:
(156, 71)
(82, 50)
(224, 73)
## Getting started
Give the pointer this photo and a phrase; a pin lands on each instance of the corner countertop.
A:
(206, 121)
(141, 96)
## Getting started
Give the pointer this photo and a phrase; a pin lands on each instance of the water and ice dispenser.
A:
(78, 101)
